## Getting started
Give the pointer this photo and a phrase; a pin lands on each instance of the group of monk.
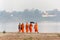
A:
(28, 27)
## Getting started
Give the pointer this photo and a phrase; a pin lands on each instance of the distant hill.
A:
(28, 15)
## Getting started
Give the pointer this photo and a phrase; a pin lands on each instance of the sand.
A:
(29, 36)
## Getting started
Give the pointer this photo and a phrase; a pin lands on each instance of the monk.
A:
(27, 26)
(22, 27)
(36, 27)
(19, 27)
(30, 27)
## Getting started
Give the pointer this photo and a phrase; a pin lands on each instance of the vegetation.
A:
(4, 31)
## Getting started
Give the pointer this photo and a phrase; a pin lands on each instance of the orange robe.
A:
(30, 28)
(22, 27)
(27, 26)
(36, 27)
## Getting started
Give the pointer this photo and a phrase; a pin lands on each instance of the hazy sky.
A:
(10, 5)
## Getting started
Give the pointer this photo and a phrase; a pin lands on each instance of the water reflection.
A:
(44, 27)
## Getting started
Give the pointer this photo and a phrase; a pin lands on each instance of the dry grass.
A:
(29, 36)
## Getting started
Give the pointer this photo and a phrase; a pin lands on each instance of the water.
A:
(48, 27)
(44, 27)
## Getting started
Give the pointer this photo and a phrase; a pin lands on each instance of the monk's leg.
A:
(27, 30)
(30, 30)
(36, 30)
(23, 30)
(19, 30)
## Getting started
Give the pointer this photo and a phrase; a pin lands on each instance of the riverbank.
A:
(29, 36)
